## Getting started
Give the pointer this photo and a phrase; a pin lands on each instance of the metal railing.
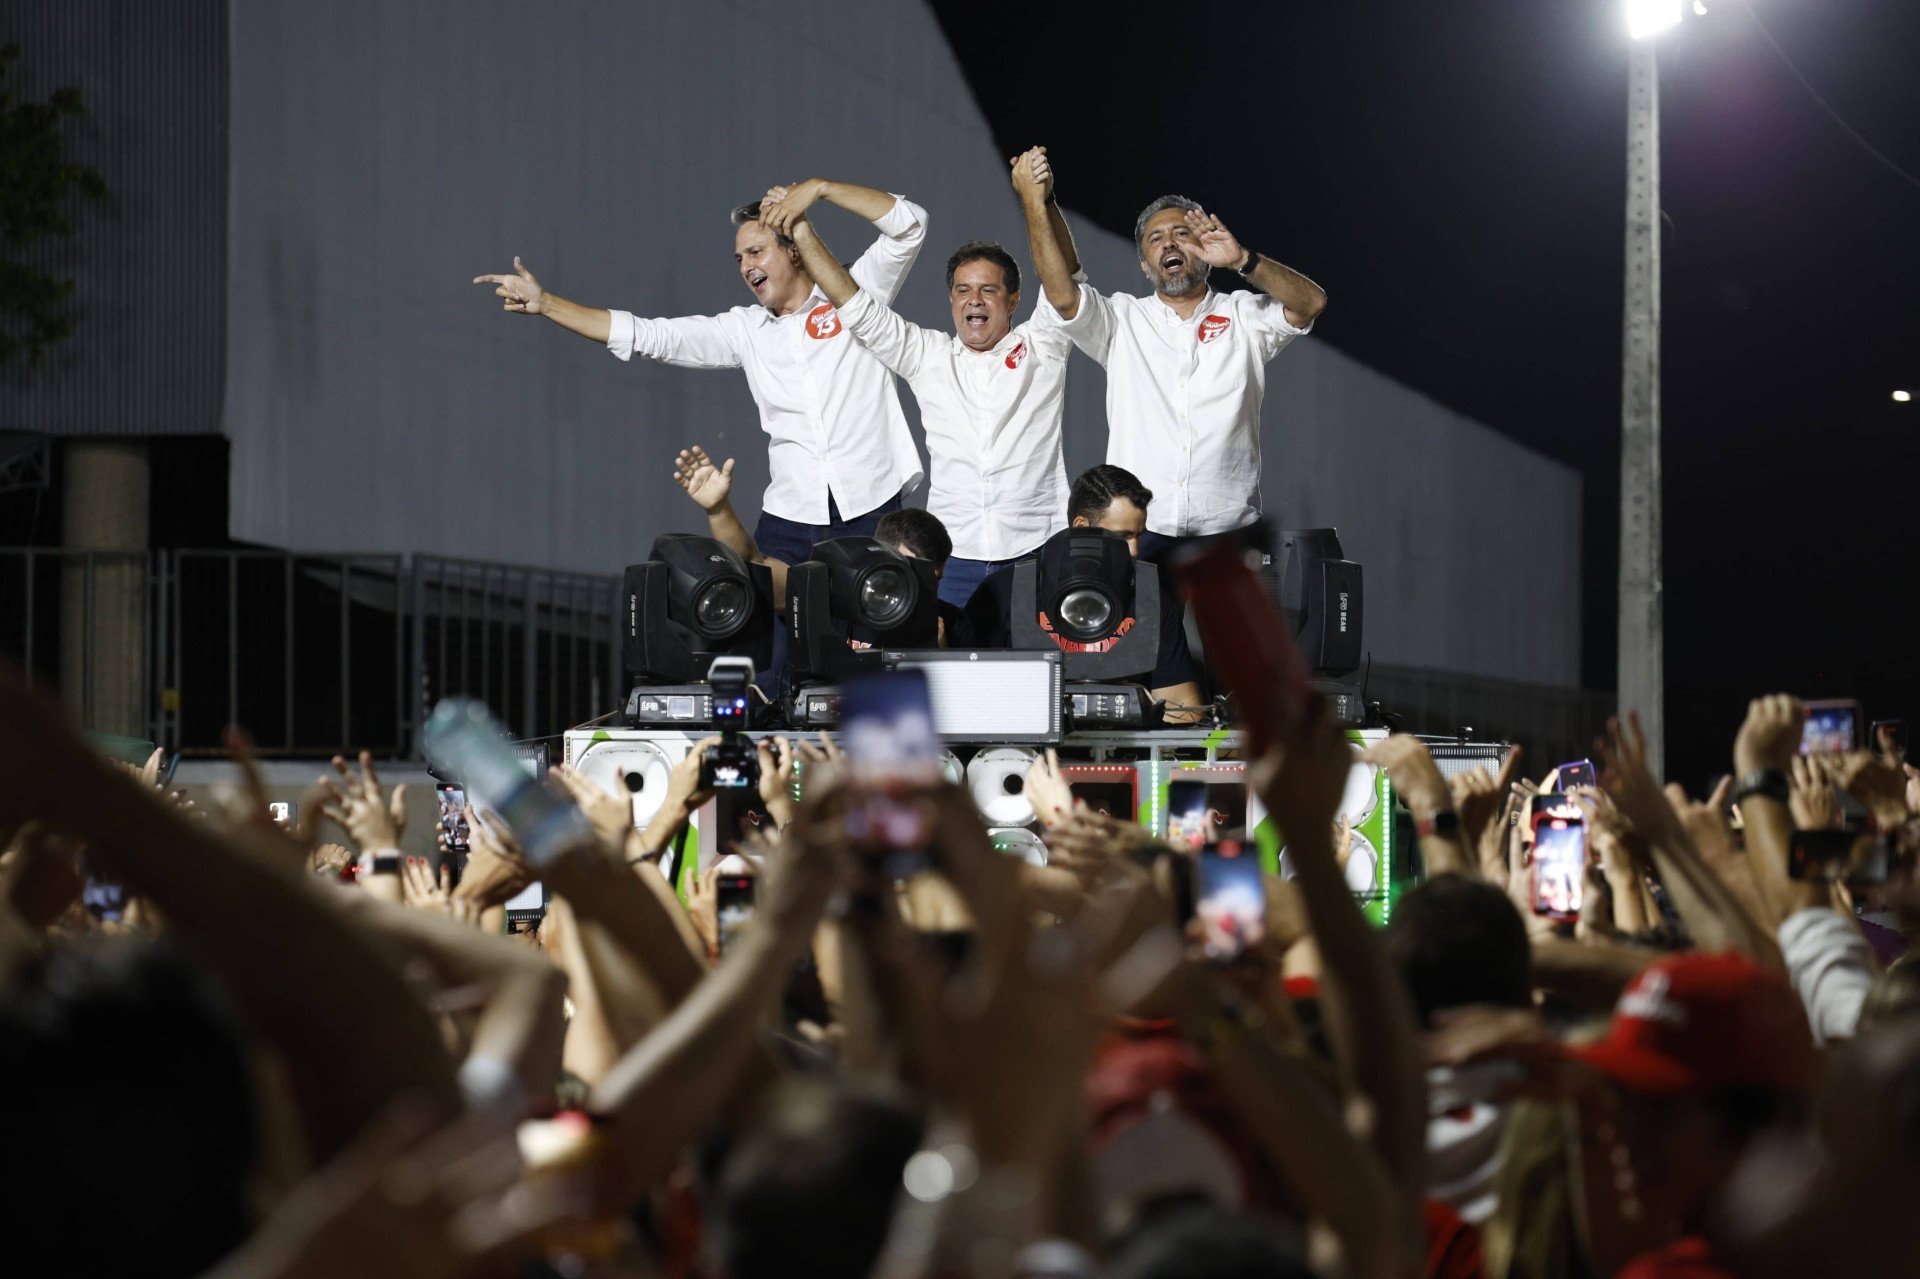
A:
(312, 653)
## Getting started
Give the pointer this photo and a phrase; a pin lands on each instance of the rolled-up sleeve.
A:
(689, 341)
(1091, 327)
(1831, 965)
(894, 342)
(883, 268)
(1268, 317)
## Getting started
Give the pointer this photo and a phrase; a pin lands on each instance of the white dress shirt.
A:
(1183, 399)
(829, 408)
(992, 419)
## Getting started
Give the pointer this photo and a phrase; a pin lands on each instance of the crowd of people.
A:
(237, 1051)
(275, 1057)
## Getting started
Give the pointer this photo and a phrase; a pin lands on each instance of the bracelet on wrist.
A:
(1250, 265)
(1443, 824)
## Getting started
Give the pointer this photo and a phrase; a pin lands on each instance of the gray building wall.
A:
(149, 270)
(381, 155)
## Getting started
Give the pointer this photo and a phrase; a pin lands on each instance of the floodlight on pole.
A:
(1647, 18)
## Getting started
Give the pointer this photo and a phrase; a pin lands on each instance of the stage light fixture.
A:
(694, 599)
(853, 598)
(1084, 594)
(1320, 592)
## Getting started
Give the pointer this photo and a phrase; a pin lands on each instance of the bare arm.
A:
(711, 486)
(1048, 238)
(305, 975)
(826, 270)
(522, 294)
(1368, 1008)
(675, 1081)
(1302, 299)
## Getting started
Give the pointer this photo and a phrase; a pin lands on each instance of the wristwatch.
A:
(1769, 783)
(380, 861)
(1250, 265)
(1445, 824)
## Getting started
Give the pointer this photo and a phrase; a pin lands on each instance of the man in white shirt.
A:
(990, 393)
(1186, 367)
(839, 451)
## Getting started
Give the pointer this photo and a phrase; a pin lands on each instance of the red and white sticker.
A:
(1213, 326)
(1016, 355)
(823, 321)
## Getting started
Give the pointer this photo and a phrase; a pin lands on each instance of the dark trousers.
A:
(791, 542)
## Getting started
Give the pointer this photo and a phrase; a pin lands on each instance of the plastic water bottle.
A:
(468, 744)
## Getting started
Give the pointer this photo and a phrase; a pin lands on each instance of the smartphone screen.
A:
(453, 816)
(1831, 727)
(528, 902)
(887, 734)
(1578, 773)
(1230, 899)
(1559, 858)
(283, 811)
(1186, 814)
(733, 907)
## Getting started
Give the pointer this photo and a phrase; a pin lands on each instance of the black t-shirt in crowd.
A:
(987, 622)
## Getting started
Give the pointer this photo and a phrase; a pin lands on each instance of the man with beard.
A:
(839, 451)
(991, 392)
(1186, 367)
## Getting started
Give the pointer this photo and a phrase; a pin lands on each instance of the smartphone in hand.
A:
(1229, 899)
(893, 752)
(1559, 869)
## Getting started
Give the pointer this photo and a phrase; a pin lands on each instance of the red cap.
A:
(1694, 1024)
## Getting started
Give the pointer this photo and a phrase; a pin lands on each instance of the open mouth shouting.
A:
(977, 321)
(757, 280)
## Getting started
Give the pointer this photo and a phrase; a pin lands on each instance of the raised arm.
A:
(902, 224)
(1048, 238)
(521, 293)
(1302, 299)
(691, 341)
(826, 270)
(710, 487)
(1367, 1006)
(875, 325)
(306, 977)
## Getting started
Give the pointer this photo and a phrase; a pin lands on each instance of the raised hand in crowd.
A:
(373, 818)
(706, 482)
(610, 815)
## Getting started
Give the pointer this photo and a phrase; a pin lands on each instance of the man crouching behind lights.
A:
(1104, 497)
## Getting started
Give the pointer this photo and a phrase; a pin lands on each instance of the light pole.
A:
(1642, 668)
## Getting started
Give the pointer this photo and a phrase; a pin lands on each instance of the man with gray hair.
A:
(1186, 367)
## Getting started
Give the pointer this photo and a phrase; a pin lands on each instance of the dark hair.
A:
(1459, 941)
(128, 1092)
(1140, 223)
(1096, 488)
(751, 213)
(1210, 1242)
(985, 251)
(815, 1179)
(920, 532)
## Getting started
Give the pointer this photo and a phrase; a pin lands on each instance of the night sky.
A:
(1453, 174)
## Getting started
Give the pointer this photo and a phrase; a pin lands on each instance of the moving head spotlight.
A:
(1320, 592)
(1085, 594)
(693, 600)
(852, 599)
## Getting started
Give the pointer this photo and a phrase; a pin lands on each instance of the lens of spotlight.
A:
(1085, 613)
(722, 608)
(886, 596)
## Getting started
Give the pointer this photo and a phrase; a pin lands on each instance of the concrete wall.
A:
(382, 155)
